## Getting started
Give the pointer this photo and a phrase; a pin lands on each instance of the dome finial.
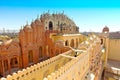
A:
(105, 29)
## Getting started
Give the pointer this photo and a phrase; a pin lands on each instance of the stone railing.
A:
(40, 70)
(60, 67)
(74, 70)
(113, 70)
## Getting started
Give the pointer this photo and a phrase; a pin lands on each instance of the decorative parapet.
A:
(73, 70)
(36, 71)
(58, 67)
(112, 70)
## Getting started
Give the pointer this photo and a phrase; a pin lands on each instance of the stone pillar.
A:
(18, 62)
(3, 71)
(75, 46)
(35, 55)
(44, 52)
(107, 47)
(25, 59)
(9, 66)
(47, 54)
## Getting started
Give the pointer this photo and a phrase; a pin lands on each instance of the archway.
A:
(14, 64)
(72, 43)
(30, 56)
(101, 41)
(66, 43)
(61, 28)
(50, 25)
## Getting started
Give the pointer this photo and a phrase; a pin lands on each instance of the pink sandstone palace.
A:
(35, 43)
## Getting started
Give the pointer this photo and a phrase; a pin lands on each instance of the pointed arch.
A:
(30, 56)
(66, 43)
(50, 25)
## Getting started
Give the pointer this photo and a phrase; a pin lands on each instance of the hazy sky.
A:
(89, 15)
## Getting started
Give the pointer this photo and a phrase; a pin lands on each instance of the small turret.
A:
(105, 31)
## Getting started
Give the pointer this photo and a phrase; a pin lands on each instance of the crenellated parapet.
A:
(40, 70)
(74, 69)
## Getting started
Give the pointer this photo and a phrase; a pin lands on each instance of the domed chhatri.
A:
(105, 29)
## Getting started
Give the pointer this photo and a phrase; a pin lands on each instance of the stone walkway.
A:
(115, 64)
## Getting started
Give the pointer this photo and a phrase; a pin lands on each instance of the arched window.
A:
(66, 43)
(58, 23)
(14, 63)
(60, 28)
(101, 41)
(50, 25)
(30, 56)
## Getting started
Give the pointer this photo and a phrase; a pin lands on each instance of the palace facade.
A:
(35, 42)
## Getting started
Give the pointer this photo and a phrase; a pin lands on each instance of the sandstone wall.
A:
(114, 49)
